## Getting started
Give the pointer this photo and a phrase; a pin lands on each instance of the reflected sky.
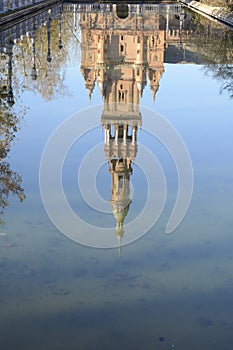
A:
(163, 291)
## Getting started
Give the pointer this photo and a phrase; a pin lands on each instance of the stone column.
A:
(116, 135)
(134, 135)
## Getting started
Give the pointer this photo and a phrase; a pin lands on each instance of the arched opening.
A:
(122, 11)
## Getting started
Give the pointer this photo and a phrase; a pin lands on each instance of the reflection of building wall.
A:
(119, 55)
(168, 19)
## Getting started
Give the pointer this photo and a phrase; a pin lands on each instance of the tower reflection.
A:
(120, 128)
(122, 50)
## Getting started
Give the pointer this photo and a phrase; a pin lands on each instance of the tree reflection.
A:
(42, 56)
(220, 64)
(216, 44)
(10, 181)
(223, 73)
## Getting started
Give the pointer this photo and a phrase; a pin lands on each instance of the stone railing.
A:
(11, 5)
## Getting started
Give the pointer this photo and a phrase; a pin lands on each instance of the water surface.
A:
(162, 291)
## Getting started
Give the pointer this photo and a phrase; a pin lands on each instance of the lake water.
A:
(108, 116)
